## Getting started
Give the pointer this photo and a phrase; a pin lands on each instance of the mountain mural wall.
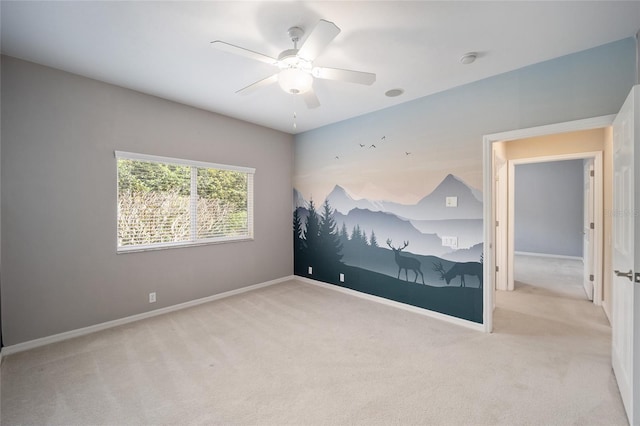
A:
(387, 246)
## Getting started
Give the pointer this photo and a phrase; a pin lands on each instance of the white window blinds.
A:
(166, 202)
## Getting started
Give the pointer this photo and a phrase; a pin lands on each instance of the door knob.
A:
(625, 274)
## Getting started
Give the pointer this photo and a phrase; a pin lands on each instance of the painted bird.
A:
(372, 146)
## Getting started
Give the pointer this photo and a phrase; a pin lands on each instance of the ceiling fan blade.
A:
(258, 84)
(311, 99)
(349, 76)
(318, 39)
(230, 48)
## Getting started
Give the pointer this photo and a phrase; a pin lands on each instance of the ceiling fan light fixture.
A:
(295, 81)
(296, 71)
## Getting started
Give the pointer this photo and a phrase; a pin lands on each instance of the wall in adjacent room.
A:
(548, 208)
(60, 267)
(390, 172)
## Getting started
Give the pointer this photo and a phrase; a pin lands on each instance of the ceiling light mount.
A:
(469, 58)
(295, 34)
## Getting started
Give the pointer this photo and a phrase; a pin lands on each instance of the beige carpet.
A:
(295, 353)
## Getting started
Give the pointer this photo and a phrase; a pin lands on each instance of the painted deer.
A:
(459, 270)
(405, 262)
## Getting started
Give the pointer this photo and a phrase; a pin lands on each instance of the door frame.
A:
(588, 217)
(500, 211)
(488, 196)
(598, 235)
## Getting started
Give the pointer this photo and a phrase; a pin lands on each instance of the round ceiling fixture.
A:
(394, 92)
(295, 81)
(469, 58)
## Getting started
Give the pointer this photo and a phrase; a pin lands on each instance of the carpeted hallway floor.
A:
(295, 353)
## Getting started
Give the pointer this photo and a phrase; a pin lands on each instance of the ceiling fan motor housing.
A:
(290, 59)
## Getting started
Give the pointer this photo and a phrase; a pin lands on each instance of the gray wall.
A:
(548, 208)
(60, 268)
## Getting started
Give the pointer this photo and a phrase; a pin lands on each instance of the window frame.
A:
(194, 165)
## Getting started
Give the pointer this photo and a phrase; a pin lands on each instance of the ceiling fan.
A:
(297, 72)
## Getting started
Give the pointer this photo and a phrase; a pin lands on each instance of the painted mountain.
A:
(342, 202)
(423, 224)
(388, 226)
(431, 207)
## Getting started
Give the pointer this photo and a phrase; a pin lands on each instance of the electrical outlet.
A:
(152, 297)
(310, 270)
(450, 242)
(341, 278)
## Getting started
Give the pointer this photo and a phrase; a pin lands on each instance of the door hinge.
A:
(638, 277)
(497, 268)
(592, 225)
(497, 223)
(592, 173)
(592, 278)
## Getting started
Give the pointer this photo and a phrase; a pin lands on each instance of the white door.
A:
(588, 228)
(625, 354)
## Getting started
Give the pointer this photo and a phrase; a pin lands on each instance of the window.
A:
(167, 202)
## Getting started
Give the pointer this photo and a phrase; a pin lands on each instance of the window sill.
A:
(165, 246)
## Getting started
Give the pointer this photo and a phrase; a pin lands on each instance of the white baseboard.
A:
(19, 347)
(555, 256)
(447, 318)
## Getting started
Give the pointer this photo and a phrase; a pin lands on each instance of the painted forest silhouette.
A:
(317, 244)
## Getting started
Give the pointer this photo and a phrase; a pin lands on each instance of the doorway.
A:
(572, 243)
(499, 267)
(550, 206)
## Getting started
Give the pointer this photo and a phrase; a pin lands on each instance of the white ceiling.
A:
(163, 48)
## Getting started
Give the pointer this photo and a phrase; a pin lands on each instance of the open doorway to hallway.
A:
(552, 213)
(544, 226)
(496, 165)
